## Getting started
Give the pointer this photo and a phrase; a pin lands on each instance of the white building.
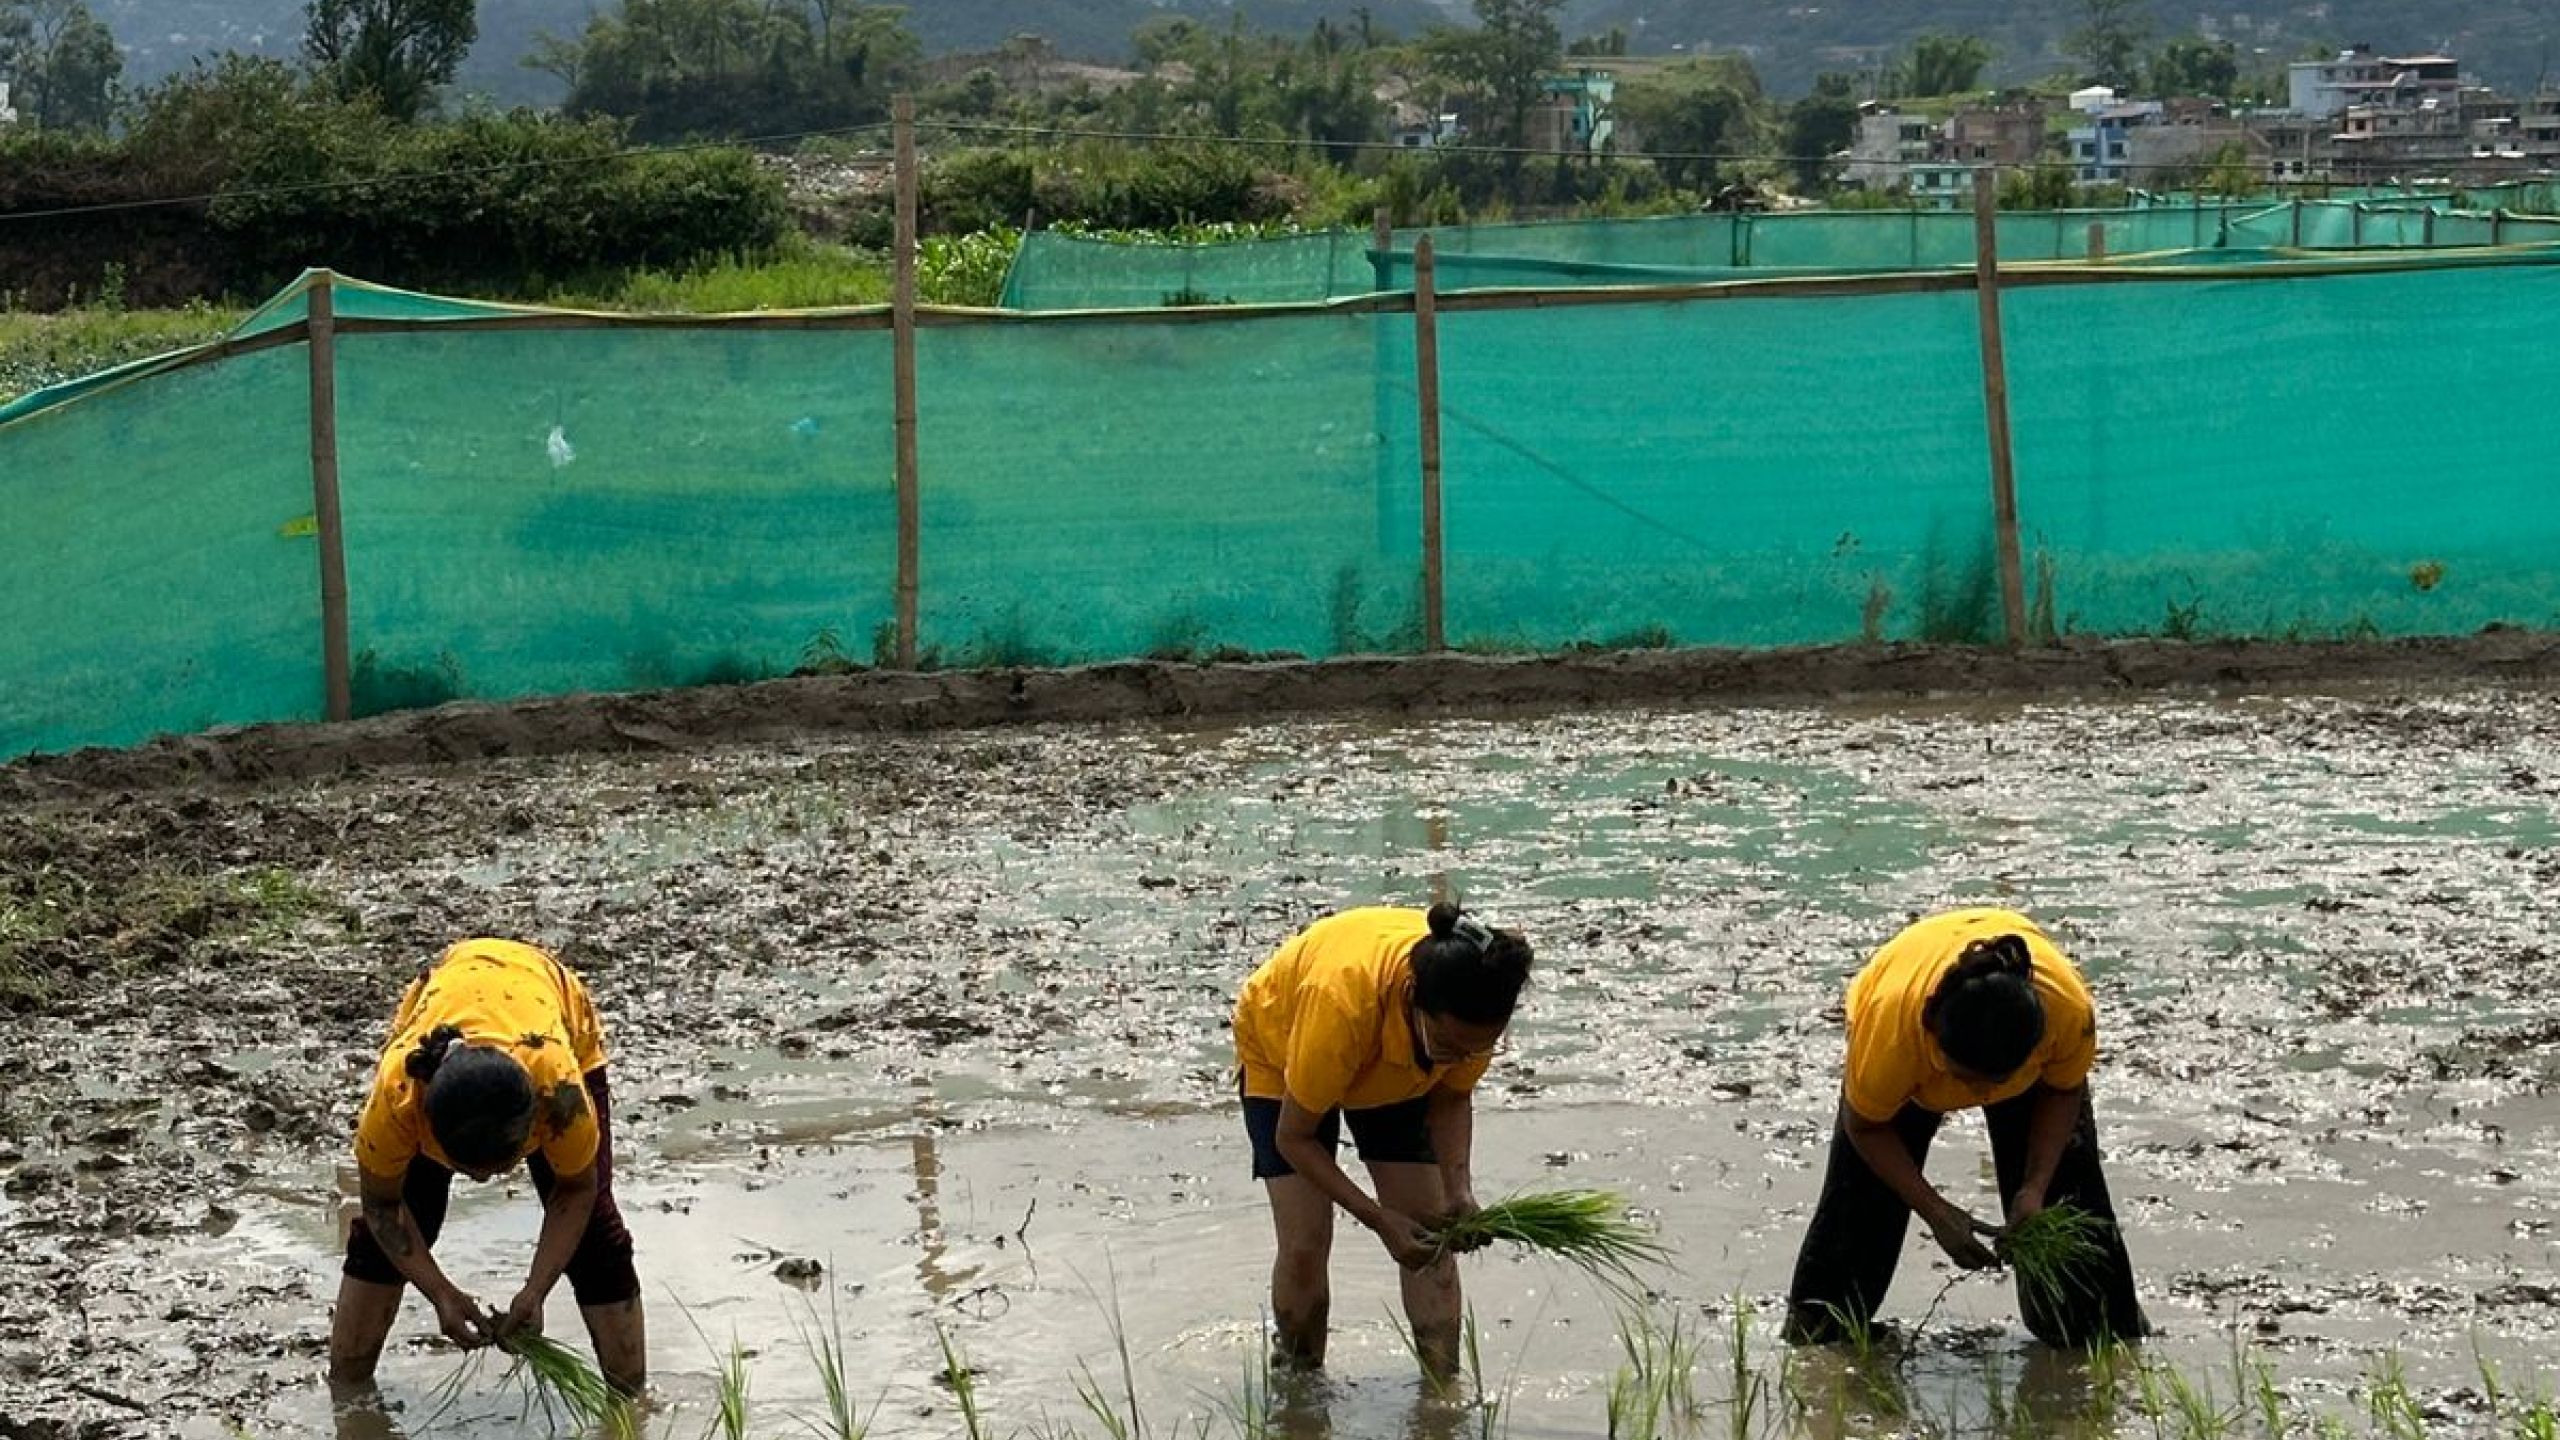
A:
(1889, 145)
(2357, 76)
(7, 115)
(2093, 99)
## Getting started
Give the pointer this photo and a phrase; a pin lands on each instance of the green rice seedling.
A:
(2107, 1361)
(1876, 1373)
(2536, 1420)
(964, 1385)
(1588, 1229)
(2056, 1252)
(2255, 1380)
(564, 1384)
(1249, 1407)
(2196, 1411)
(729, 1413)
(2389, 1405)
(1653, 1392)
(1749, 1386)
(830, 1358)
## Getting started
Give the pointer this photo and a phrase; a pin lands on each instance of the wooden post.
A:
(336, 676)
(2097, 241)
(2428, 227)
(1426, 363)
(902, 321)
(2498, 226)
(2355, 235)
(2297, 222)
(1995, 400)
(1382, 243)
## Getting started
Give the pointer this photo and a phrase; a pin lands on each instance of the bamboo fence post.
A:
(1995, 400)
(903, 381)
(1426, 361)
(322, 329)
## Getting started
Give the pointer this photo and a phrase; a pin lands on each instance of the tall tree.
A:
(680, 69)
(62, 62)
(2109, 42)
(1502, 64)
(2193, 65)
(397, 51)
(1944, 64)
(1694, 116)
(1820, 126)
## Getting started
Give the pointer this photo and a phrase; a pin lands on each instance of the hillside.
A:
(161, 36)
(2507, 42)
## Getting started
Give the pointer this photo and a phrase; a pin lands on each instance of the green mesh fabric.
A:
(1074, 272)
(2228, 458)
(160, 568)
(1054, 273)
(1111, 488)
(1691, 494)
(2209, 448)
(536, 512)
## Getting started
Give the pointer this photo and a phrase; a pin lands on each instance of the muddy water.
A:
(944, 1016)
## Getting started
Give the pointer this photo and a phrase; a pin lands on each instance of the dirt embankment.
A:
(895, 703)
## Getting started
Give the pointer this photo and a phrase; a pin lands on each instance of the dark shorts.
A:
(601, 1272)
(1388, 1135)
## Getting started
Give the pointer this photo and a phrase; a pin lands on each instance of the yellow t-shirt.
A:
(1323, 1021)
(1894, 1061)
(504, 996)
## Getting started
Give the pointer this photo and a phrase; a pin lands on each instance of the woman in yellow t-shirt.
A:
(1972, 1008)
(496, 1059)
(1386, 1018)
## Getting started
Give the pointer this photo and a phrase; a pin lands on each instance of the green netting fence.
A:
(540, 502)
(1054, 271)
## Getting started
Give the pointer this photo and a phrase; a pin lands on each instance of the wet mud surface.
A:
(944, 1015)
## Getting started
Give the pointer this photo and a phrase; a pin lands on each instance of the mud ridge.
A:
(884, 702)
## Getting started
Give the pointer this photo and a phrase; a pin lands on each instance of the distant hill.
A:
(162, 36)
(2510, 43)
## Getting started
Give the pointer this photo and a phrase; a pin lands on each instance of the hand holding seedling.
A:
(464, 1322)
(1409, 1242)
(1453, 1233)
(1962, 1236)
(523, 1317)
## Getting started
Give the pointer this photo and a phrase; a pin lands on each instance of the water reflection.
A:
(925, 1157)
(1304, 1407)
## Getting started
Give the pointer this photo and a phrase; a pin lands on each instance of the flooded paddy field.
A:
(929, 1032)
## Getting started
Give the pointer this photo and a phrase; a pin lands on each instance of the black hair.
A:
(1467, 969)
(1986, 1014)
(479, 1102)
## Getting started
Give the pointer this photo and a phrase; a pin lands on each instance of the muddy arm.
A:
(2049, 1127)
(564, 1224)
(1890, 1159)
(386, 1214)
(1453, 1139)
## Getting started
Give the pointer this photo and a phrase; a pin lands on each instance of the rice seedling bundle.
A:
(2058, 1253)
(1588, 1229)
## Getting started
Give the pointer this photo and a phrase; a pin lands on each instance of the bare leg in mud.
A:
(358, 1329)
(1301, 1279)
(620, 1333)
(1432, 1303)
